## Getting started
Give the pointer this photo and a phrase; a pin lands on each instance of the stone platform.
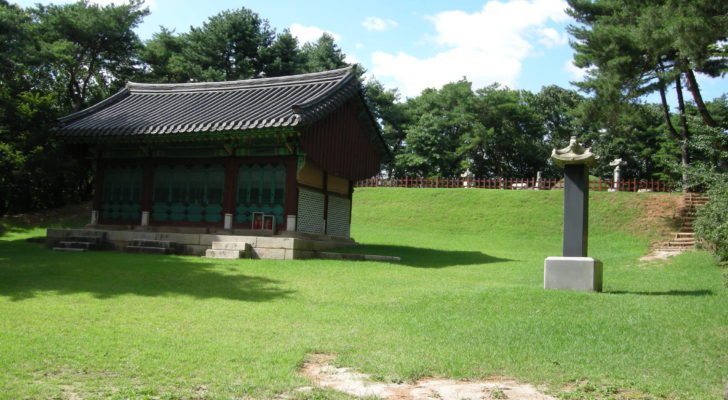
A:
(188, 241)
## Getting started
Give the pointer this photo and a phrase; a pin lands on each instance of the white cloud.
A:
(310, 33)
(351, 59)
(550, 37)
(378, 24)
(575, 73)
(486, 46)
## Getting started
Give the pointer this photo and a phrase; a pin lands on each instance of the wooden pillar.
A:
(99, 185)
(291, 203)
(351, 200)
(146, 191)
(229, 191)
(98, 192)
(326, 202)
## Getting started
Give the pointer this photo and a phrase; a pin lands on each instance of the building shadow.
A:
(700, 292)
(29, 269)
(426, 258)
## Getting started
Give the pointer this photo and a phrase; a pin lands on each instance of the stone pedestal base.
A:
(572, 273)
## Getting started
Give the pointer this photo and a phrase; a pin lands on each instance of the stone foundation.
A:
(191, 243)
(573, 273)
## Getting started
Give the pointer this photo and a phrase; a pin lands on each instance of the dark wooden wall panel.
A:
(343, 143)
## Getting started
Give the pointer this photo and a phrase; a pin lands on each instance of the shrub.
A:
(711, 224)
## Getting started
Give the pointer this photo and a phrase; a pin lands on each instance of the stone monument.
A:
(467, 178)
(574, 270)
(617, 164)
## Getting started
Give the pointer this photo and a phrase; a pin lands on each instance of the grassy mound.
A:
(465, 302)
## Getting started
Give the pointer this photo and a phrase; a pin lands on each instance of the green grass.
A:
(466, 301)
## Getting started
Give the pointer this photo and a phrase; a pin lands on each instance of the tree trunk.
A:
(695, 90)
(685, 133)
(666, 111)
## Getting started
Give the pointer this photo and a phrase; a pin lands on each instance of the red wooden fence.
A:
(627, 185)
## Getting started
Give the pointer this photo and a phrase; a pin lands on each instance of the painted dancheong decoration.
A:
(574, 270)
(273, 155)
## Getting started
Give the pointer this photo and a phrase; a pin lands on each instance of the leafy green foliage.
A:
(89, 50)
(636, 48)
(711, 175)
(322, 55)
(228, 46)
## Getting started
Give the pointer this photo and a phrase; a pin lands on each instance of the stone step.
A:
(148, 249)
(223, 254)
(669, 250)
(85, 239)
(683, 240)
(242, 246)
(684, 235)
(76, 245)
(153, 243)
(73, 249)
(681, 244)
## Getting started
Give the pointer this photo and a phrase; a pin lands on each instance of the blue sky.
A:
(411, 45)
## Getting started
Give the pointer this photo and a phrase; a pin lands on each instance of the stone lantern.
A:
(574, 270)
(617, 164)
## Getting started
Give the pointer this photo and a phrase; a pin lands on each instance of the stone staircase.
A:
(684, 239)
(146, 246)
(79, 241)
(229, 250)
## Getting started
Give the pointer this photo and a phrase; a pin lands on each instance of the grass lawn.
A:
(466, 301)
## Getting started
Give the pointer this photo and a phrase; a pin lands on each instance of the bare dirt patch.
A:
(659, 211)
(319, 369)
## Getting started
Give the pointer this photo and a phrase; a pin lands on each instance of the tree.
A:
(88, 50)
(393, 118)
(509, 140)
(163, 58)
(442, 117)
(228, 46)
(323, 55)
(633, 49)
(283, 57)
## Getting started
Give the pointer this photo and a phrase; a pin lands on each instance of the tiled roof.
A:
(155, 109)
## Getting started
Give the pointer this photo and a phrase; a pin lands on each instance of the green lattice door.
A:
(121, 193)
(261, 188)
(188, 193)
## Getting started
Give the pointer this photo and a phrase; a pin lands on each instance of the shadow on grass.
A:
(72, 216)
(28, 270)
(702, 292)
(426, 258)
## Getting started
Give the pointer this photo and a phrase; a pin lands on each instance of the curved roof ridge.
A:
(303, 79)
(103, 103)
(145, 108)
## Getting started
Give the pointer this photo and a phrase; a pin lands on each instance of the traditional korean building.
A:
(272, 154)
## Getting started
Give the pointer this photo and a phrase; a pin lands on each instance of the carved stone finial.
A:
(574, 153)
(618, 162)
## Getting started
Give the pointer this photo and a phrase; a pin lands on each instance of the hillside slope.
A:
(510, 222)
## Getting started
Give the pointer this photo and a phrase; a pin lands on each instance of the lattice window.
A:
(310, 211)
(337, 220)
(189, 193)
(122, 193)
(261, 188)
